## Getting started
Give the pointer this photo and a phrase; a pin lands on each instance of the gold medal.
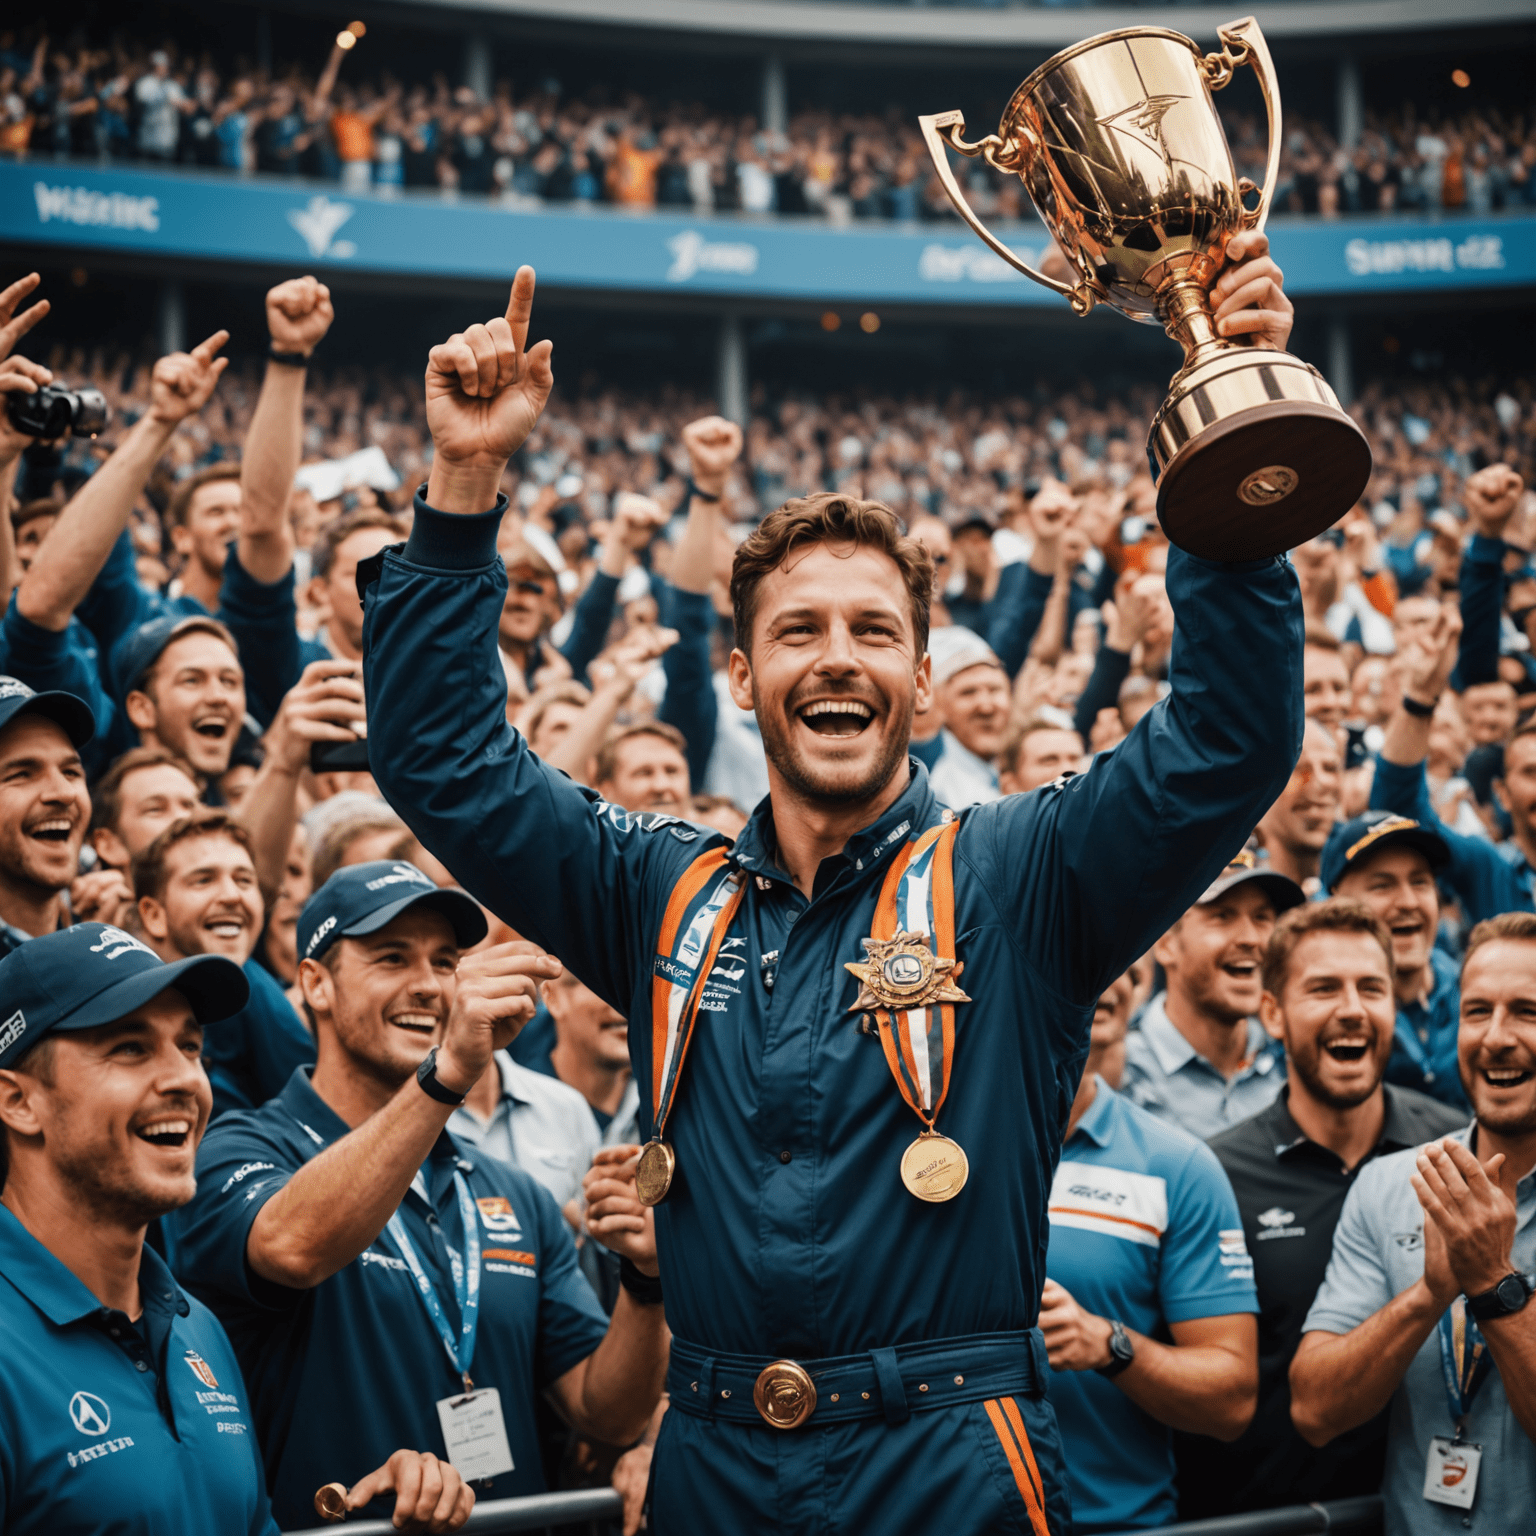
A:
(904, 973)
(934, 1168)
(331, 1503)
(653, 1174)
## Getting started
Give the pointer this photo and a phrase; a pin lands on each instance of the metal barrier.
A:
(535, 1513)
(1341, 1517)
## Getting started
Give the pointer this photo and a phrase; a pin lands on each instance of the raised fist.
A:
(713, 444)
(299, 314)
(1492, 495)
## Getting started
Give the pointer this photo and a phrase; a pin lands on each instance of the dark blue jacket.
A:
(788, 1231)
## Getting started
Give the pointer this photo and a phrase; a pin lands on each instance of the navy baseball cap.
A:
(362, 898)
(72, 713)
(92, 974)
(1372, 831)
(1283, 892)
(135, 654)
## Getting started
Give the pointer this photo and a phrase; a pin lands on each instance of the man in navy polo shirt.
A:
(1388, 862)
(382, 1281)
(1148, 1308)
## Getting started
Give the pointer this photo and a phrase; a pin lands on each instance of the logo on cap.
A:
(115, 942)
(12, 1030)
(14, 688)
(320, 933)
(401, 872)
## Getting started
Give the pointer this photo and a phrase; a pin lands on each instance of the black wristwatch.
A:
(287, 359)
(1121, 1350)
(646, 1289)
(1507, 1297)
(426, 1075)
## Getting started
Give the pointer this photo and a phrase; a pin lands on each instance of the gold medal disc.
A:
(331, 1502)
(653, 1175)
(933, 1167)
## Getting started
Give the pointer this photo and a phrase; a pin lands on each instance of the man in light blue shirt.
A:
(974, 699)
(1199, 1057)
(1146, 1246)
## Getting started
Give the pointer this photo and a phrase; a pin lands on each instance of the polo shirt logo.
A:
(90, 1414)
(12, 1030)
(498, 1216)
(201, 1369)
(1278, 1222)
(1113, 1202)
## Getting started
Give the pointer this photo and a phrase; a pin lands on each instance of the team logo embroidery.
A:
(114, 942)
(1276, 1217)
(201, 1369)
(497, 1214)
(90, 1414)
(12, 1030)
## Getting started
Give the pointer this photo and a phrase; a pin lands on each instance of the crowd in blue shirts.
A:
(193, 583)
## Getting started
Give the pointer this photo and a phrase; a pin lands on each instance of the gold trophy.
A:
(1118, 142)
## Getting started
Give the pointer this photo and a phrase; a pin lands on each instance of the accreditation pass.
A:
(475, 1434)
(1451, 1474)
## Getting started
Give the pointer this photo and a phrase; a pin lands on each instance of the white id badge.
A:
(476, 1434)
(1450, 1475)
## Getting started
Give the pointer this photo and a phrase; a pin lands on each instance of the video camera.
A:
(55, 409)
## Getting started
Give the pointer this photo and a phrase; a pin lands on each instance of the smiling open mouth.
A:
(837, 717)
(211, 727)
(1348, 1047)
(55, 830)
(416, 1023)
(1507, 1077)
(165, 1133)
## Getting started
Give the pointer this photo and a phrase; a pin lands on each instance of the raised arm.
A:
(1492, 495)
(633, 525)
(336, 1205)
(1024, 590)
(575, 750)
(299, 314)
(78, 547)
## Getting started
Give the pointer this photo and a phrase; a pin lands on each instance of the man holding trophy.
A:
(859, 1029)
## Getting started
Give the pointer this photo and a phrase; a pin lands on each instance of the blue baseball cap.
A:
(135, 654)
(363, 898)
(93, 974)
(72, 713)
(1371, 832)
(1246, 867)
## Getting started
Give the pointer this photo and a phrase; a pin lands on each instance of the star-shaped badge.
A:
(904, 973)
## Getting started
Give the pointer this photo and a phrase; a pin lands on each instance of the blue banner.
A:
(303, 226)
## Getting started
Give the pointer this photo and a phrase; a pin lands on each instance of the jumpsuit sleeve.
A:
(1086, 873)
(1482, 597)
(689, 702)
(560, 865)
(1017, 609)
(263, 618)
(589, 624)
(1476, 872)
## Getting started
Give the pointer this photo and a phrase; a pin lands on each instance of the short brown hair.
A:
(1507, 925)
(107, 796)
(322, 553)
(1008, 758)
(553, 693)
(25, 512)
(337, 838)
(829, 517)
(181, 498)
(608, 753)
(1339, 914)
(149, 875)
(1320, 638)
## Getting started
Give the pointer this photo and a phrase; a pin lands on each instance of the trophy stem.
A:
(1185, 307)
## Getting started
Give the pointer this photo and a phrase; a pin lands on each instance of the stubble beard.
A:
(809, 784)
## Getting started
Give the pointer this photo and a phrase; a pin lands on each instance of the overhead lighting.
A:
(831, 321)
(1461, 77)
(357, 29)
(869, 322)
(345, 40)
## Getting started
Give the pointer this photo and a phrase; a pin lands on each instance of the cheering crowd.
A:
(161, 104)
(1256, 1230)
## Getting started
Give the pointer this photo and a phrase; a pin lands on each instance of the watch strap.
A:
(426, 1076)
(1500, 1300)
(1122, 1351)
(693, 491)
(288, 359)
(646, 1289)
(1422, 710)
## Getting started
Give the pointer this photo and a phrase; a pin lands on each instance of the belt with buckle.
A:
(889, 1384)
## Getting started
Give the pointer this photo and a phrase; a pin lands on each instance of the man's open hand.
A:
(1428, 657)
(713, 444)
(1248, 298)
(182, 382)
(431, 1497)
(299, 313)
(484, 395)
(1475, 1215)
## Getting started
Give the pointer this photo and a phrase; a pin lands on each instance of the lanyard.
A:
(466, 1282)
(1464, 1359)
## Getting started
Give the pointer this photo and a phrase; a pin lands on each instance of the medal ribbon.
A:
(1464, 1359)
(918, 896)
(466, 1281)
(701, 909)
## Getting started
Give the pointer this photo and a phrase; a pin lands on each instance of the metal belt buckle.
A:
(784, 1394)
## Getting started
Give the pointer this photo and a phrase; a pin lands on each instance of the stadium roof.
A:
(963, 26)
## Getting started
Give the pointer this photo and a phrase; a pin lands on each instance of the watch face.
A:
(1511, 1293)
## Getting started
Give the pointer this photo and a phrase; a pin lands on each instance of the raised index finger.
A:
(16, 293)
(205, 350)
(520, 307)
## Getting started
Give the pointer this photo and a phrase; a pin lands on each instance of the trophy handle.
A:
(941, 128)
(1242, 42)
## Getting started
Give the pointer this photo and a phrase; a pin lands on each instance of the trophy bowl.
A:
(1119, 144)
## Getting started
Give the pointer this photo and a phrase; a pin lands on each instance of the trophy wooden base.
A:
(1256, 456)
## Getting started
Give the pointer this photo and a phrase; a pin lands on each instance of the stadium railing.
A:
(1342, 1517)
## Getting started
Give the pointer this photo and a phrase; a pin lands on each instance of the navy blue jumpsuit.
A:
(788, 1233)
